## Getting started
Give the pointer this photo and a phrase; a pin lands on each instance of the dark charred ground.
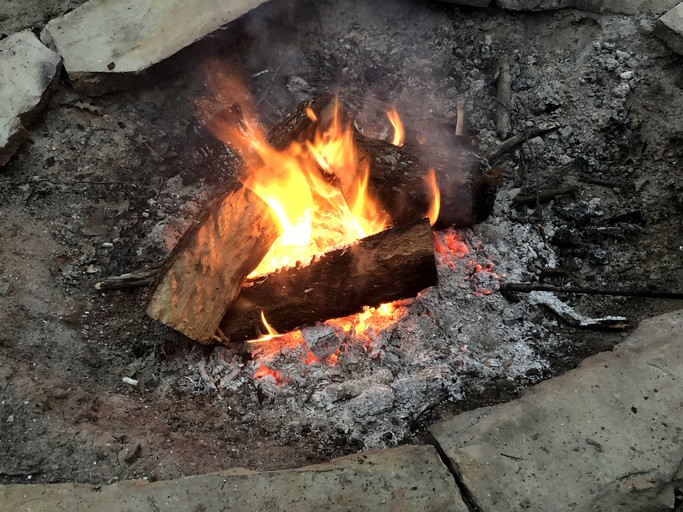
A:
(104, 184)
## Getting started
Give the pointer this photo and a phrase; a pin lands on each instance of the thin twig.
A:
(603, 183)
(511, 456)
(270, 83)
(14, 474)
(517, 140)
(544, 195)
(460, 119)
(70, 182)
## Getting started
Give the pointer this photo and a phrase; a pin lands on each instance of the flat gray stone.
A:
(604, 437)
(669, 28)
(410, 478)
(107, 44)
(27, 71)
(615, 6)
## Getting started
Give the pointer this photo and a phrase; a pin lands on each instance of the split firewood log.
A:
(205, 271)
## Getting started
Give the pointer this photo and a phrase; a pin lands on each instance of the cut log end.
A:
(206, 269)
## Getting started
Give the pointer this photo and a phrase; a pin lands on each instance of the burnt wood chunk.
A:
(205, 271)
(394, 264)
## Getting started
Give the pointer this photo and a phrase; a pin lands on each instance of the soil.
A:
(106, 185)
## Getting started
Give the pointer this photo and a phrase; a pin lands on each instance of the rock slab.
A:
(669, 28)
(615, 6)
(604, 437)
(28, 70)
(407, 479)
(107, 44)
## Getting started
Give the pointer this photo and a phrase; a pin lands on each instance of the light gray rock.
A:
(604, 437)
(410, 478)
(28, 70)
(107, 44)
(669, 28)
(616, 6)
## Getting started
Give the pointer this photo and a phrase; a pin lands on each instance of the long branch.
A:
(625, 292)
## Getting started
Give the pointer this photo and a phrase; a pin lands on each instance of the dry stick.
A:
(504, 91)
(603, 183)
(460, 120)
(133, 279)
(517, 140)
(626, 292)
(545, 195)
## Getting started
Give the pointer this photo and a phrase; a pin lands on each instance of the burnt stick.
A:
(625, 292)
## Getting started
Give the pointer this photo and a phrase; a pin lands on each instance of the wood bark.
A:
(394, 264)
(204, 273)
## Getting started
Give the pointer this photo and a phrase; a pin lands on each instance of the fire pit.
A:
(580, 193)
(309, 231)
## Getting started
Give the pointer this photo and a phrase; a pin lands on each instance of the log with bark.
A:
(394, 264)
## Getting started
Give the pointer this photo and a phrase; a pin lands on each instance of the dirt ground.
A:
(105, 184)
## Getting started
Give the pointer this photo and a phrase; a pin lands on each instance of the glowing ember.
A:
(372, 320)
(263, 371)
(483, 280)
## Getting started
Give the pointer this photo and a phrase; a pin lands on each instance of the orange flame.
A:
(397, 124)
(368, 320)
(435, 206)
(312, 212)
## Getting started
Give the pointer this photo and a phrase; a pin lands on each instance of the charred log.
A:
(397, 178)
(397, 174)
(204, 273)
(394, 264)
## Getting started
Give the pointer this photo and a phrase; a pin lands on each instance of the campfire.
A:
(326, 225)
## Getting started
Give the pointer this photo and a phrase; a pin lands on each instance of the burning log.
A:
(397, 179)
(394, 264)
(397, 173)
(204, 273)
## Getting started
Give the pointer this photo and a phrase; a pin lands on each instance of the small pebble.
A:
(621, 90)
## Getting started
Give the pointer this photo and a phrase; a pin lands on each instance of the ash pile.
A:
(385, 380)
